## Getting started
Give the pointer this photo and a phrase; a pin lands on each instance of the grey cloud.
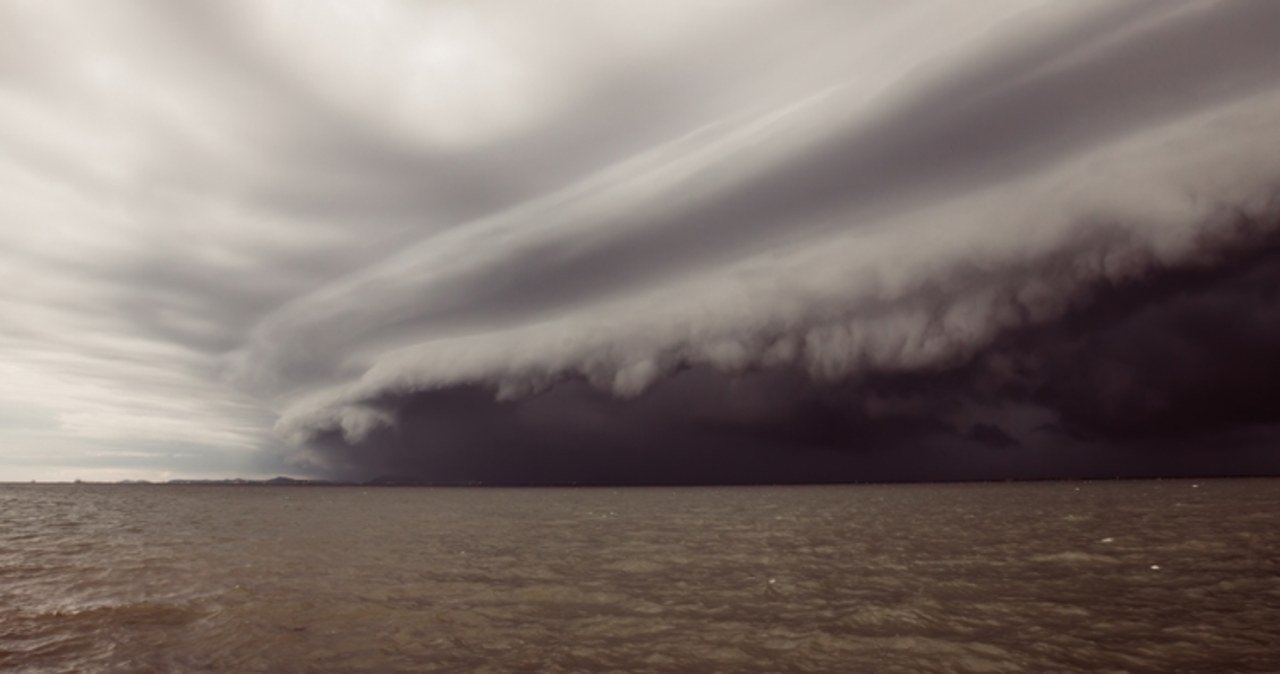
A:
(1177, 366)
(838, 229)
(900, 301)
(956, 132)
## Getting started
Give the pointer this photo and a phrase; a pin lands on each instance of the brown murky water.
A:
(1129, 576)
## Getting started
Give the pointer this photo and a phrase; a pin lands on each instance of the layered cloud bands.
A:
(751, 241)
(819, 254)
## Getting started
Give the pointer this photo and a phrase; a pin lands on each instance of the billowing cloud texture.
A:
(640, 242)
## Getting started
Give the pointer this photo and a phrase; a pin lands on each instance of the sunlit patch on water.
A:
(1131, 576)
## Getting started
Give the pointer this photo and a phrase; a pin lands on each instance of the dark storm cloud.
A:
(1020, 139)
(710, 242)
(1173, 374)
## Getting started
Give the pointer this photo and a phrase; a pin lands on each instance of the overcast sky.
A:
(709, 240)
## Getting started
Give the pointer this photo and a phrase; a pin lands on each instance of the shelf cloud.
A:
(707, 242)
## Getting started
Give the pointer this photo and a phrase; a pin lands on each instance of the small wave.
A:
(1075, 557)
(141, 613)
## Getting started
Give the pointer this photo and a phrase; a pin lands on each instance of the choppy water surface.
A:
(1128, 576)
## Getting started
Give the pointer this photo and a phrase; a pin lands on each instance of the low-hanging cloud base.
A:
(1174, 373)
(1057, 258)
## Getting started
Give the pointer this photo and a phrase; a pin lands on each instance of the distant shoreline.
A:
(414, 482)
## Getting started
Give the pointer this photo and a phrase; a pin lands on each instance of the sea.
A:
(1113, 576)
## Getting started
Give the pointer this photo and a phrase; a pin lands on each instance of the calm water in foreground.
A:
(1119, 576)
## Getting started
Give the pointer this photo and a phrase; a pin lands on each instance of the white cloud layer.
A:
(227, 223)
